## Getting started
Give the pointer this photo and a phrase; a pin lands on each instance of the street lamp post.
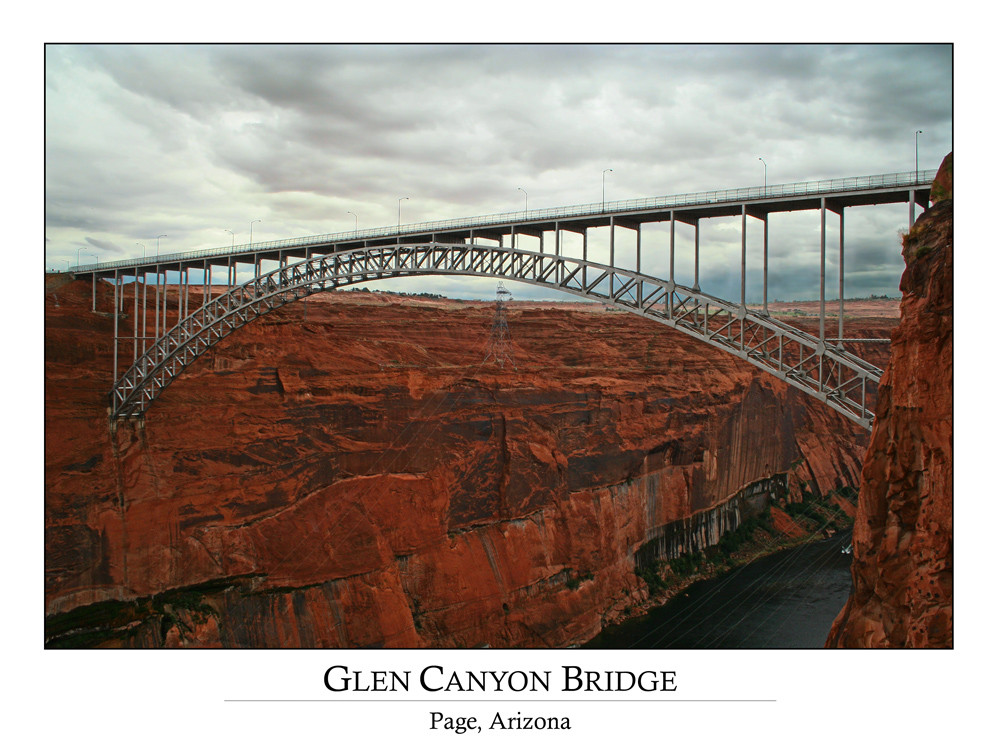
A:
(355, 221)
(525, 200)
(78, 254)
(399, 213)
(143, 248)
(158, 242)
(916, 151)
(251, 232)
(602, 187)
(234, 238)
(761, 159)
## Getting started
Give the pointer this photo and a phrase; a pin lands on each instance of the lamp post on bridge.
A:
(761, 159)
(234, 239)
(355, 221)
(251, 232)
(399, 213)
(916, 153)
(602, 187)
(525, 200)
(78, 254)
(158, 242)
(143, 248)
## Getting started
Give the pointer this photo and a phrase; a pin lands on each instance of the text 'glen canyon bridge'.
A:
(487, 246)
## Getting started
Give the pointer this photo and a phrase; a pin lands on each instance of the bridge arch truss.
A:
(843, 381)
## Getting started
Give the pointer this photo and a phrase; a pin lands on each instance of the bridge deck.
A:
(689, 207)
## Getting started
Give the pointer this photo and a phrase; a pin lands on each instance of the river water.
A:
(786, 600)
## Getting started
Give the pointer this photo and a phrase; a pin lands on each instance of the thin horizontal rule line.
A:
(500, 700)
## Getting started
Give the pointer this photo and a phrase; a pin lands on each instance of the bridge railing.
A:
(785, 190)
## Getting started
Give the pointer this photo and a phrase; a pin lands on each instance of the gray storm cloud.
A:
(190, 141)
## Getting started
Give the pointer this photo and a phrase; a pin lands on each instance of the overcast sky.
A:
(192, 141)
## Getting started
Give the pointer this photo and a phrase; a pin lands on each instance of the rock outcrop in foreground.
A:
(902, 570)
(348, 473)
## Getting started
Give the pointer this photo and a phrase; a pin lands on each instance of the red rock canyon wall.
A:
(347, 473)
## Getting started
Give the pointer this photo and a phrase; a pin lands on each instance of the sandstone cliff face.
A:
(902, 570)
(350, 474)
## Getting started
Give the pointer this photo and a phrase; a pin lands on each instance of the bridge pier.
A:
(743, 259)
(765, 265)
(822, 274)
(114, 309)
(673, 219)
(135, 316)
(759, 213)
(694, 221)
(840, 270)
(638, 248)
(611, 262)
(145, 330)
(165, 290)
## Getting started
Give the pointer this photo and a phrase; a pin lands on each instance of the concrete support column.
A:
(840, 316)
(913, 207)
(822, 270)
(115, 310)
(145, 283)
(585, 257)
(557, 238)
(743, 259)
(93, 292)
(765, 265)
(156, 305)
(135, 315)
(697, 255)
(164, 300)
(673, 222)
(611, 224)
(513, 237)
(638, 248)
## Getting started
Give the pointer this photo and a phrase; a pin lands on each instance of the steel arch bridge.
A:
(844, 382)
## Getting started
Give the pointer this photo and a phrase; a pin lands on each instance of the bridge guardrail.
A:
(784, 190)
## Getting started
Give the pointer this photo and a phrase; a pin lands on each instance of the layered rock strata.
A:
(348, 473)
(902, 569)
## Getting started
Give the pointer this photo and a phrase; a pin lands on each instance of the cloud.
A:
(191, 140)
(110, 247)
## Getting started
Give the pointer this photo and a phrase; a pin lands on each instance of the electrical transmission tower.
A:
(500, 349)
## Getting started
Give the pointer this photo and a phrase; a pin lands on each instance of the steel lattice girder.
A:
(843, 381)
